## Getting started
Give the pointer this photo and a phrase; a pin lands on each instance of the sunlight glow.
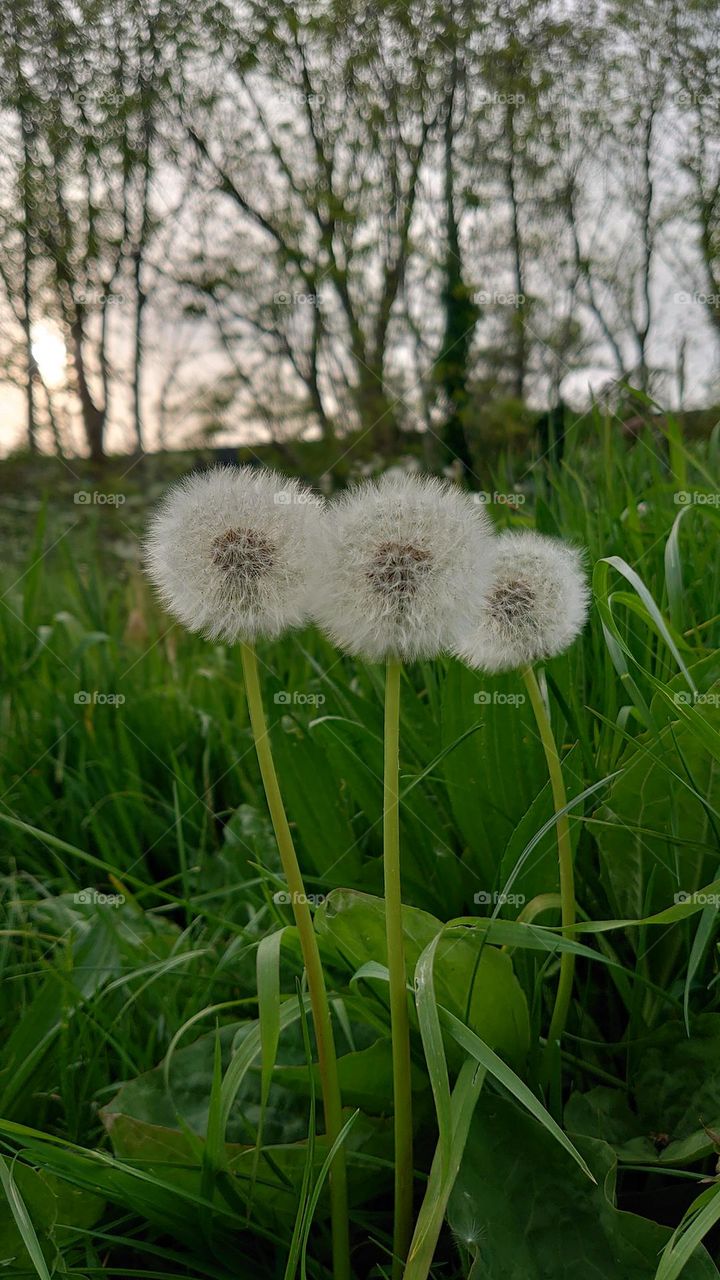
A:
(49, 351)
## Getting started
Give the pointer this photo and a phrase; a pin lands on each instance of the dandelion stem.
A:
(327, 1060)
(565, 858)
(399, 1021)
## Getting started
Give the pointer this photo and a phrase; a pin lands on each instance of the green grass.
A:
(132, 1082)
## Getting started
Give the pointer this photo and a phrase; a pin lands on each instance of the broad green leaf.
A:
(520, 1210)
(476, 982)
(674, 1092)
(355, 925)
(473, 1045)
(365, 1078)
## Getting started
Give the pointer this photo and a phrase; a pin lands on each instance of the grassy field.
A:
(156, 1101)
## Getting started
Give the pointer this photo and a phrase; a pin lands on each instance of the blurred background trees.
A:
(275, 220)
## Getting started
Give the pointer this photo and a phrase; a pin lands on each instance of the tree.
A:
(324, 192)
(694, 63)
(87, 88)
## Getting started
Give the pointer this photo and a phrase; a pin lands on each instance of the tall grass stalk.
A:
(563, 994)
(327, 1059)
(400, 1025)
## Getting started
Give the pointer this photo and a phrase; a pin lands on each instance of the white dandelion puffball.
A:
(404, 559)
(534, 606)
(228, 551)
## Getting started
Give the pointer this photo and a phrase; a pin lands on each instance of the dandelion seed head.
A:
(229, 549)
(397, 569)
(244, 556)
(403, 558)
(534, 606)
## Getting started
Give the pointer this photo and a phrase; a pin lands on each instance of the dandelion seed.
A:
(229, 551)
(534, 606)
(405, 559)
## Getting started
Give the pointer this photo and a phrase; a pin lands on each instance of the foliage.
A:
(138, 1134)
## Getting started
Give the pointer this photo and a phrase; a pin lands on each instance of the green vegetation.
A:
(157, 1105)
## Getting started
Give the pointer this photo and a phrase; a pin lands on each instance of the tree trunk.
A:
(377, 413)
(30, 361)
(648, 246)
(451, 372)
(93, 417)
(140, 300)
(518, 322)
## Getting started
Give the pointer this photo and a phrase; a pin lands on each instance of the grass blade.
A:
(22, 1220)
(505, 1076)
